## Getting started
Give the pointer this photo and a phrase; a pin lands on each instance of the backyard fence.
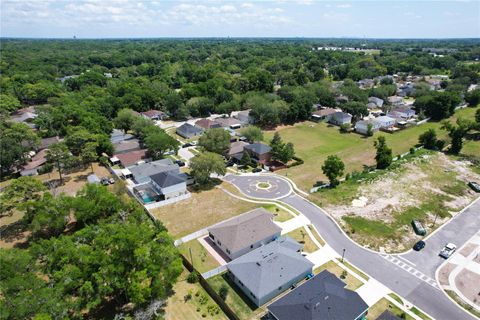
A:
(214, 272)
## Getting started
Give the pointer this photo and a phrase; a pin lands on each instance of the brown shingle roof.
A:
(325, 112)
(207, 124)
(130, 158)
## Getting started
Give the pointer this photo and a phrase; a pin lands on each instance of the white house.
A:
(385, 121)
(362, 126)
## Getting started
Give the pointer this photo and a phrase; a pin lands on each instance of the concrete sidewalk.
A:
(294, 223)
(322, 256)
(372, 291)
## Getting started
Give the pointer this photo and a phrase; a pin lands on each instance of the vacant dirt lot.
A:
(381, 210)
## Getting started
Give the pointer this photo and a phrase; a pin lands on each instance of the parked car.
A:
(255, 170)
(418, 228)
(448, 250)
(229, 163)
(475, 186)
(104, 181)
(419, 245)
(180, 163)
(111, 180)
(186, 145)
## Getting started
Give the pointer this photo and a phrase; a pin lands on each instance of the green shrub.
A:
(193, 277)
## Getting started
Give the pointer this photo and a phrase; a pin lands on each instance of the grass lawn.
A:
(236, 299)
(352, 282)
(180, 307)
(202, 259)
(316, 235)
(378, 308)
(314, 142)
(464, 305)
(279, 214)
(357, 271)
(203, 209)
(303, 238)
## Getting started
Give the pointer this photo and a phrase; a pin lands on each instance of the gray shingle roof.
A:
(323, 297)
(167, 179)
(187, 129)
(142, 172)
(271, 266)
(258, 148)
(244, 230)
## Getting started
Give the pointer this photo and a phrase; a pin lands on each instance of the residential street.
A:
(414, 283)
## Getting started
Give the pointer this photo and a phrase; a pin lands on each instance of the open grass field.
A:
(302, 237)
(314, 142)
(202, 259)
(203, 209)
(180, 307)
(352, 282)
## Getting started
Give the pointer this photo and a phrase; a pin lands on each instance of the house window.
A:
(212, 236)
(241, 283)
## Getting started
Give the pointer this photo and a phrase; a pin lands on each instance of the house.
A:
(125, 146)
(264, 273)
(236, 149)
(403, 112)
(362, 126)
(25, 115)
(243, 116)
(141, 172)
(169, 184)
(385, 122)
(259, 152)
(366, 83)
(47, 142)
(244, 233)
(378, 103)
(341, 99)
(231, 123)
(154, 115)
(322, 297)
(406, 89)
(130, 158)
(36, 163)
(206, 124)
(323, 114)
(188, 131)
(339, 118)
(388, 315)
(118, 135)
(395, 101)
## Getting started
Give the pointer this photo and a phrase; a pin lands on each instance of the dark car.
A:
(475, 186)
(186, 145)
(419, 245)
(180, 163)
(104, 181)
(257, 170)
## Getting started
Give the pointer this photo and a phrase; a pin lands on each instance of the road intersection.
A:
(411, 275)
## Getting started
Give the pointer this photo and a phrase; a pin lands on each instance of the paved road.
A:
(413, 282)
(261, 186)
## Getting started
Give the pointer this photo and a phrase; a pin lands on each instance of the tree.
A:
(369, 130)
(16, 140)
(438, 105)
(333, 168)
(124, 119)
(59, 155)
(473, 97)
(252, 133)
(215, 140)
(158, 142)
(457, 133)
(246, 160)
(21, 190)
(384, 154)
(428, 139)
(204, 164)
(281, 151)
(356, 109)
(276, 144)
(8, 103)
(477, 116)
(286, 153)
(88, 154)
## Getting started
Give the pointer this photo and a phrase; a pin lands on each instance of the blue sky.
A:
(216, 18)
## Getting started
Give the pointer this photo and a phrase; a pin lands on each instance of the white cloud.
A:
(344, 6)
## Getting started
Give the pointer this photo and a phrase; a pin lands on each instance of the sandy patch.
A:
(468, 249)
(444, 273)
(467, 282)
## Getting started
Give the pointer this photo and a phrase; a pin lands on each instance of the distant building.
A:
(236, 149)
(154, 114)
(36, 162)
(339, 118)
(118, 135)
(264, 273)
(323, 297)
(395, 101)
(378, 103)
(366, 83)
(244, 116)
(47, 142)
(322, 114)
(188, 131)
(259, 152)
(244, 233)
(403, 112)
(385, 122)
(362, 126)
(132, 157)
(231, 123)
(206, 124)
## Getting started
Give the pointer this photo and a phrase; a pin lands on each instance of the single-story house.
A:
(388, 315)
(154, 114)
(341, 99)
(206, 124)
(395, 101)
(24, 115)
(259, 152)
(323, 113)
(403, 112)
(37, 161)
(169, 184)
(118, 135)
(236, 149)
(376, 101)
(365, 83)
(244, 233)
(322, 297)
(188, 131)
(231, 123)
(141, 172)
(385, 121)
(47, 142)
(124, 146)
(264, 273)
(93, 179)
(243, 116)
(128, 159)
(340, 118)
(362, 126)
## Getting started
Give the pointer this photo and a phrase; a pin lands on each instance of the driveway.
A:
(414, 283)
(186, 154)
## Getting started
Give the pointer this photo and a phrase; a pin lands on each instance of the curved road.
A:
(412, 275)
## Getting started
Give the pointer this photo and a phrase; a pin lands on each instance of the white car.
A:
(448, 250)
